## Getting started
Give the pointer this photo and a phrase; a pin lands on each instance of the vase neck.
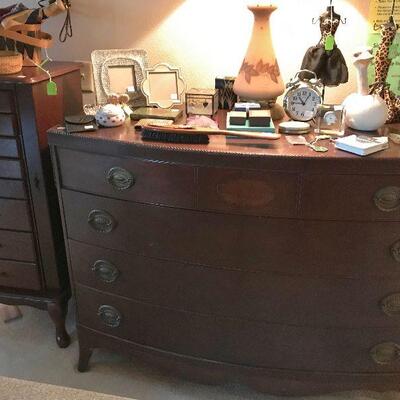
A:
(262, 13)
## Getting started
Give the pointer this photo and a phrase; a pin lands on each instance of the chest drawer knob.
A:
(110, 316)
(106, 271)
(101, 221)
(391, 305)
(386, 353)
(120, 179)
(395, 251)
(388, 199)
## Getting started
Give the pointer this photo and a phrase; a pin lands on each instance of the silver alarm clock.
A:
(303, 97)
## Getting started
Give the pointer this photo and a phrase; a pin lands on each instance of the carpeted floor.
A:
(28, 351)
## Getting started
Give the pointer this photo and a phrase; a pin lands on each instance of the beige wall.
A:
(206, 38)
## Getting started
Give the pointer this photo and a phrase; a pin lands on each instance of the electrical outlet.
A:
(87, 82)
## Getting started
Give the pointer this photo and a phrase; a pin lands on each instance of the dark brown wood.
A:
(19, 275)
(12, 189)
(249, 192)
(235, 293)
(237, 242)
(153, 182)
(267, 264)
(7, 104)
(8, 125)
(237, 341)
(281, 382)
(14, 215)
(18, 246)
(9, 148)
(33, 262)
(10, 169)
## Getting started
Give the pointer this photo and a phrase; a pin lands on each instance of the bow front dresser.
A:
(33, 268)
(238, 261)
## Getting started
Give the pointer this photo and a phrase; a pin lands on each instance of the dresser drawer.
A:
(351, 197)
(300, 300)
(9, 148)
(12, 189)
(10, 169)
(241, 242)
(7, 104)
(14, 215)
(8, 125)
(236, 341)
(248, 192)
(19, 275)
(128, 178)
(17, 246)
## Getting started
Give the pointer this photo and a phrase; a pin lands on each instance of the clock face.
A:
(302, 104)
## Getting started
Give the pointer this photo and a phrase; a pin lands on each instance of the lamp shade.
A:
(260, 77)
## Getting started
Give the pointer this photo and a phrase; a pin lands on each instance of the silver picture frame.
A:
(163, 86)
(131, 62)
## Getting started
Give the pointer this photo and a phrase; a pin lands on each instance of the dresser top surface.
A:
(127, 136)
(31, 75)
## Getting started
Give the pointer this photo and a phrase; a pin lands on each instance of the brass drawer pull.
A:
(395, 251)
(110, 316)
(101, 221)
(385, 353)
(388, 199)
(106, 271)
(120, 179)
(391, 305)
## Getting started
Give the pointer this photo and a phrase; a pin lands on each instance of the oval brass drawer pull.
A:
(101, 221)
(106, 271)
(395, 251)
(110, 316)
(386, 353)
(388, 199)
(120, 179)
(391, 305)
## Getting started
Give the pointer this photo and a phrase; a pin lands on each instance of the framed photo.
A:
(163, 86)
(121, 72)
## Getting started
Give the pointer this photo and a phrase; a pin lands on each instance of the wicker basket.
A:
(10, 62)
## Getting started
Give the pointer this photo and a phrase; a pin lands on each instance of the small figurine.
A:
(364, 111)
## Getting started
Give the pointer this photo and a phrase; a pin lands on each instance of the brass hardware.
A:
(391, 305)
(110, 316)
(388, 199)
(106, 271)
(385, 353)
(395, 251)
(120, 179)
(101, 221)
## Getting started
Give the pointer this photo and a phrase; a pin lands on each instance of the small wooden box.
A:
(202, 102)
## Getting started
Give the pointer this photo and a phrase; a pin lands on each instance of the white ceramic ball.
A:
(110, 116)
(365, 113)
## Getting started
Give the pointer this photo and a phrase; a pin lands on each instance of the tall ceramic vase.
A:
(259, 77)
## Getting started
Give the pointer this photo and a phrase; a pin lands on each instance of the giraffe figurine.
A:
(382, 65)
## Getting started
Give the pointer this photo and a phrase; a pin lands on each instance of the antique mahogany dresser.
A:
(33, 268)
(238, 261)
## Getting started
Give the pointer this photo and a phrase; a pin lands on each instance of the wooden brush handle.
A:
(195, 131)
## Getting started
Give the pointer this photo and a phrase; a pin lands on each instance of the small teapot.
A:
(364, 111)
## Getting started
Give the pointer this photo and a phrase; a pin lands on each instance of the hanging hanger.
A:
(316, 20)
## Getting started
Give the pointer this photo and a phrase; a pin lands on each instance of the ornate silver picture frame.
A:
(119, 71)
(163, 86)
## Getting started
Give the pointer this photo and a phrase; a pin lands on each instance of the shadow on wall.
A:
(109, 24)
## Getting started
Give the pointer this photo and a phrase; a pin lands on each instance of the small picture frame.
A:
(163, 86)
(121, 72)
(329, 119)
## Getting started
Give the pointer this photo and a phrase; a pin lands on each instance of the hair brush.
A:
(192, 135)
